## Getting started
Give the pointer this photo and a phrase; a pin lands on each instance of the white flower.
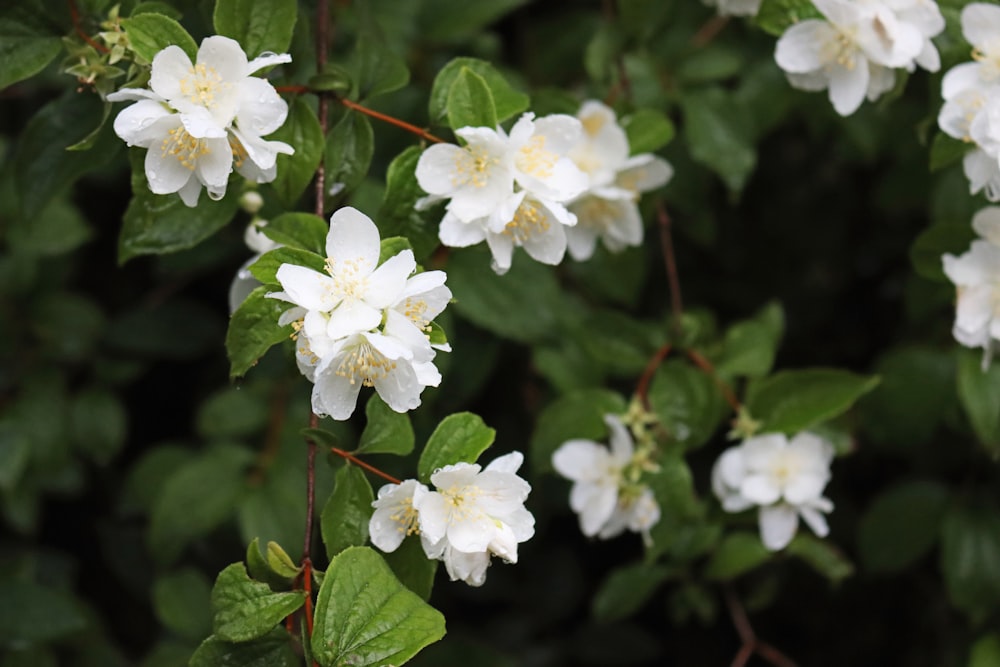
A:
(199, 120)
(423, 298)
(475, 513)
(355, 288)
(395, 516)
(540, 151)
(735, 7)
(785, 479)
(602, 495)
(976, 275)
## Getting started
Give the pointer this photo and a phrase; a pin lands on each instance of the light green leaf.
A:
(946, 150)
(266, 268)
(459, 438)
(151, 33)
(181, 602)
(272, 650)
(470, 102)
(366, 618)
(247, 609)
(392, 246)
(508, 101)
(398, 215)
(576, 415)
(253, 329)
(301, 131)
(775, 16)
(750, 346)
(349, 148)
(979, 393)
(647, 130)
(386, 431)
(274, 567)
(345, 517)
(626, 590)
(27, 45)
(687, 403)
(258, 25)
(901, 525)
(792, 401)
(719, 135)
(985, 652)
(737, 554)
(303, 231)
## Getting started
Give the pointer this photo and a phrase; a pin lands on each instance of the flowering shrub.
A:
(687, 303)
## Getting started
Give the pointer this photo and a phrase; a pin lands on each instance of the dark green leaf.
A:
(272, 650)
(266, 268)
(687, 403)
(946, 150)
(979, 393)
(386, 431)
(258, 25)
(151, 33)
(366, 618)
(33, 613)
(626, 590)
(57, 230)
(15, 452)
(648, 130)
(344, 521)
(506, 99)
(719, 135)
(934, 242)
(99, 424)
(253, 329)
(970, 558)
(392, 246)
(822, 557)
(349, 148)
(412, 566)
(181, 601)
(398, 215)
(576, 415)
(247, 609)
(459, 438)
(375, 67)
(774, 16)
(27, 45)
(737, 554)
(792, 401)
(712, 63)
(231, 412)
(901, 525)
(303, 231)
(749, 346)
(470, 102)
(985, 652)
(449, 20)
(303, 132)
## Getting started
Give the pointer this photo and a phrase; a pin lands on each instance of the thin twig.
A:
(74, 14)
(367, 466)
(670, 262)
(642, 388)
(709, 30)
(420, 132)
(748, 638)
(706, 366)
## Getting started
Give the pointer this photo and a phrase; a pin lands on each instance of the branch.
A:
(706, 367)
(367, 466)
(709, 30)
(642, 389)
(423, 134)
(750, 643)
(74, 14)
(667, 247)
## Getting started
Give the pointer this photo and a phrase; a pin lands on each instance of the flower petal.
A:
(353, 240)
(777, 526)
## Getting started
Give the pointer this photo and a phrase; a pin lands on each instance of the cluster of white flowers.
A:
(552, 181)
(976, 275)
(474, 514)
(361, 322)
(855, 51)
(607, 493)
(735, 7)
(971, 92)
(784, 478)
(201, 120)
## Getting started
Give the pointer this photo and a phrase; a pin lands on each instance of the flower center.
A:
(596, 213)
(472, 166)
(349, 280)
(462, 501)
(593, 123)
(528, 221)
(239, 151)
(406, 517)
(535, 160)
(365, 364)
(184, 147)
(415, 311)
(201, 85)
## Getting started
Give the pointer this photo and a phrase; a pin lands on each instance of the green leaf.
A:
(626, 590)
(392, 246)
(58, 229)
(445, 20)
(470, 102)
(719, 135)
(750, 346)
(376, 69)
(231, 412)
(181, 602)
(42, 167)
(157, 224)
(712, 62)
(901, 525)
(199, 496)
(99, 424)
(932, 243)
(979, 393)
(27, 45)
(412, 567)
(266, 268)
(792, 401)
(775, 16)
(398, 215)
(386, 431)
(151, 33)
(272, 650)
(647, 130)
(459, 438)
(253, 329)
(349, 148)
(91, 139)
(258, 25)
(274, 567)
(687, 403)
(575, 415)
(822, 557)
(344, 521)
(33, 613)
(366, 618)
(302, 231)
(303, 132)
(673, 485)
(946, 150)
(970, 558)
(985, 652)
(246, 609)
(737, 554)
(15, 452)
(508, 101)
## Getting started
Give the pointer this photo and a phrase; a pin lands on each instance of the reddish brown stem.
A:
(307, 577)
(642, 389)
(709, 30)
(367, 466)
(294, 89)
(670, 262)
(74, 14)
(420, 132)
(706, 366)
(748, 638)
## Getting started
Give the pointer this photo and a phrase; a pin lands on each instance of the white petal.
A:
(353, 240)
(798, 49)
(457, 234)
(848, 86)
(981, 25)
(335, 395)
(581, 460)
(777, 526)
(759, 488)
(165, 173)
(436, 168)
(267, 60)
(169, 67)
(815, 520)
(225, 56)
(986, 222)
(215, 164)
(400, 388)
(261, 110)
(386, 283)
(144, 123)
